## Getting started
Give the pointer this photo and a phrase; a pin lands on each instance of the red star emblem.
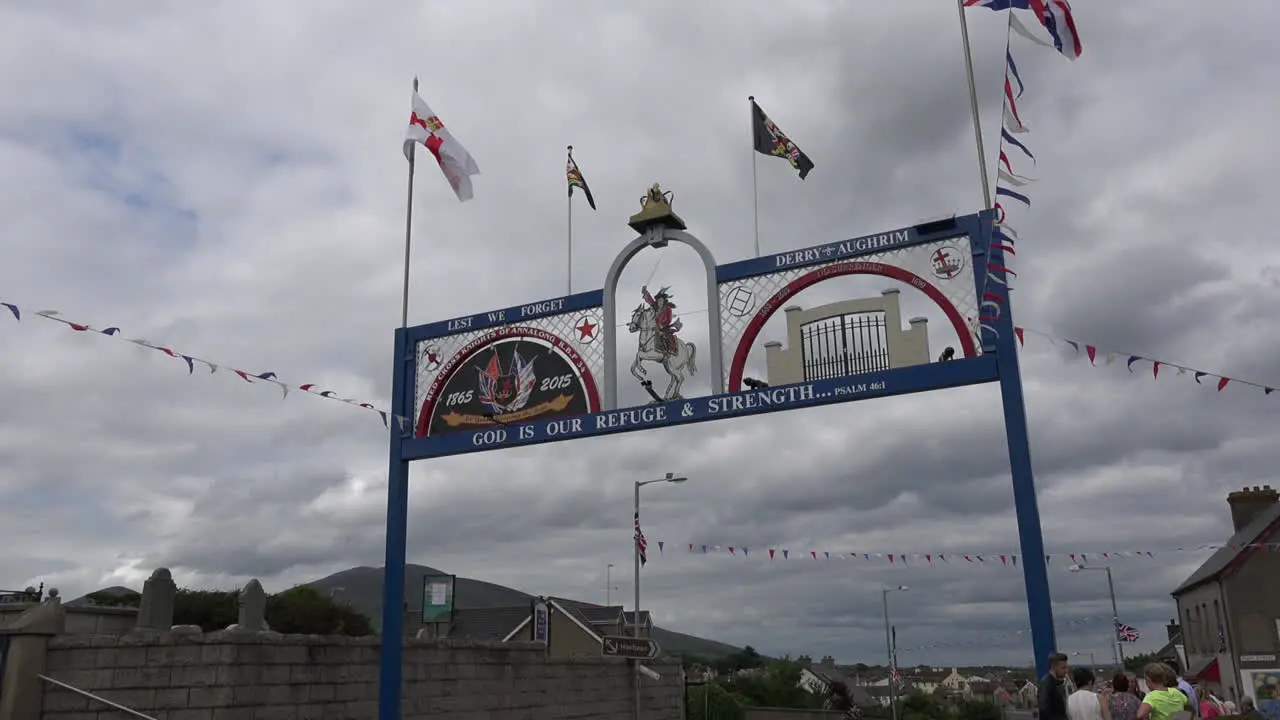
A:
(586, 330)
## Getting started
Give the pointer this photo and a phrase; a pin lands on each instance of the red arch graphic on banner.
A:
(839, 269)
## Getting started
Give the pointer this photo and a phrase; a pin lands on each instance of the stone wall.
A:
(83, 619)
(266, 676)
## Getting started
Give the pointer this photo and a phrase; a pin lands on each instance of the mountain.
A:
(115, 591)
(361, 587)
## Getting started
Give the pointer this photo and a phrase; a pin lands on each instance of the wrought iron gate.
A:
(844, 345)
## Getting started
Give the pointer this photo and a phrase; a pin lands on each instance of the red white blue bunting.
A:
(191, 361)
(946, 557)
(1132, 361)
(1055, 16)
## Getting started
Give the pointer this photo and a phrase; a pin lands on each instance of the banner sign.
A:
(541, 621)
(437, 598)
(962, 371)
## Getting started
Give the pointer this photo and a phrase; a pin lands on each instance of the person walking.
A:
(1184, 686)
(1086, 703)
(1053, 697)
(1163, 698)
(1124, 702)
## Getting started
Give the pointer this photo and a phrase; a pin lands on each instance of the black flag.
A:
(769, 140)
(574, 176)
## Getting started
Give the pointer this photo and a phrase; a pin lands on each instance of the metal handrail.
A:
(91, 696)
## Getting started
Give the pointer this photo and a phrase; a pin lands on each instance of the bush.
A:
(301, 610)
(713, 702)
(977, 710)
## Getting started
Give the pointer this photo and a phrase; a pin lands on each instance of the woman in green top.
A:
(1162, 700)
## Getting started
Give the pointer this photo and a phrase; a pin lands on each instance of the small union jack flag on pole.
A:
(1125, 633)
(642, 545)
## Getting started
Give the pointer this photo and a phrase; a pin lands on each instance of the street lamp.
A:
(608, 585)
(1092, 662)
(1116, 648)
(888, 646)
(635, 621)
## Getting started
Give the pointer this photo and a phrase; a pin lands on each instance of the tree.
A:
(1136, 663)
(977, 710)
(919, 706)
(776, 685)
(711, 700)
(301, 610)
(745, 659)
(840, 698)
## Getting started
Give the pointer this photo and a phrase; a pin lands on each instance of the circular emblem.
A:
(586, 330)
(740, 301)
(430, 358)
(507, 381)
(947, 262)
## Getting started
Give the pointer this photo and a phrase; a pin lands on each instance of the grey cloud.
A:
(253, 215)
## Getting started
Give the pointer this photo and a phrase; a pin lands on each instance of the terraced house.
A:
(1229, 608)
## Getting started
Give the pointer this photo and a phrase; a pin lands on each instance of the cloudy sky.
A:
(225, 179)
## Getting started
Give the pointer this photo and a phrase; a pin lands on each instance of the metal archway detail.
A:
(658, 236)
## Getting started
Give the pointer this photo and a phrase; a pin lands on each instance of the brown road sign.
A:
(629, 647)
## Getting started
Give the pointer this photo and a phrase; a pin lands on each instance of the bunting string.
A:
(1094, 353)
(192, 361)
(1132, 360)
(946, 557)
(1003, 638)
(1011, 186)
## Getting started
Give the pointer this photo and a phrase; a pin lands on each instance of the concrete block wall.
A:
(265, 676)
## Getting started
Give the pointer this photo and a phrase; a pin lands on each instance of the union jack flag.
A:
(642, 545)
(1125, 633)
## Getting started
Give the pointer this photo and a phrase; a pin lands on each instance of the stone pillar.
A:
(26, 641)
(253, 607)
(155, 611)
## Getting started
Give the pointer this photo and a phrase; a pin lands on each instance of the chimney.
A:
(1248, 503)
(1172, 629)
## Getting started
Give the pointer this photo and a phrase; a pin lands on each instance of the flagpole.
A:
(570, 225)
(408, 235)
(755, 186)
(973, 106)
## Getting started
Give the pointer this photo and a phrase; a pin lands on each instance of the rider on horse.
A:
(668, 324)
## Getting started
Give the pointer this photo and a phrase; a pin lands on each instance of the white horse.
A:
(643, 321)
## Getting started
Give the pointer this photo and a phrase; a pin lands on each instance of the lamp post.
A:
(635, 620)
(608, 585)
(1092, 662)
(888, 646)
(1117, 651)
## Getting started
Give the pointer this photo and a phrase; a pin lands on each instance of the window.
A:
(1219, 632)
(1189, 632)
(1206, 642)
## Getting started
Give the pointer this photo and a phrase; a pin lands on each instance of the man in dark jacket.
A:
(1053, 696)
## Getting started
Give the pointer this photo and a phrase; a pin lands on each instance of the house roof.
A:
(495, 623)
(860, 696)
(573, 609)
(645, 618)
(1265, 523)
(1170, 649)
(600, 614)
